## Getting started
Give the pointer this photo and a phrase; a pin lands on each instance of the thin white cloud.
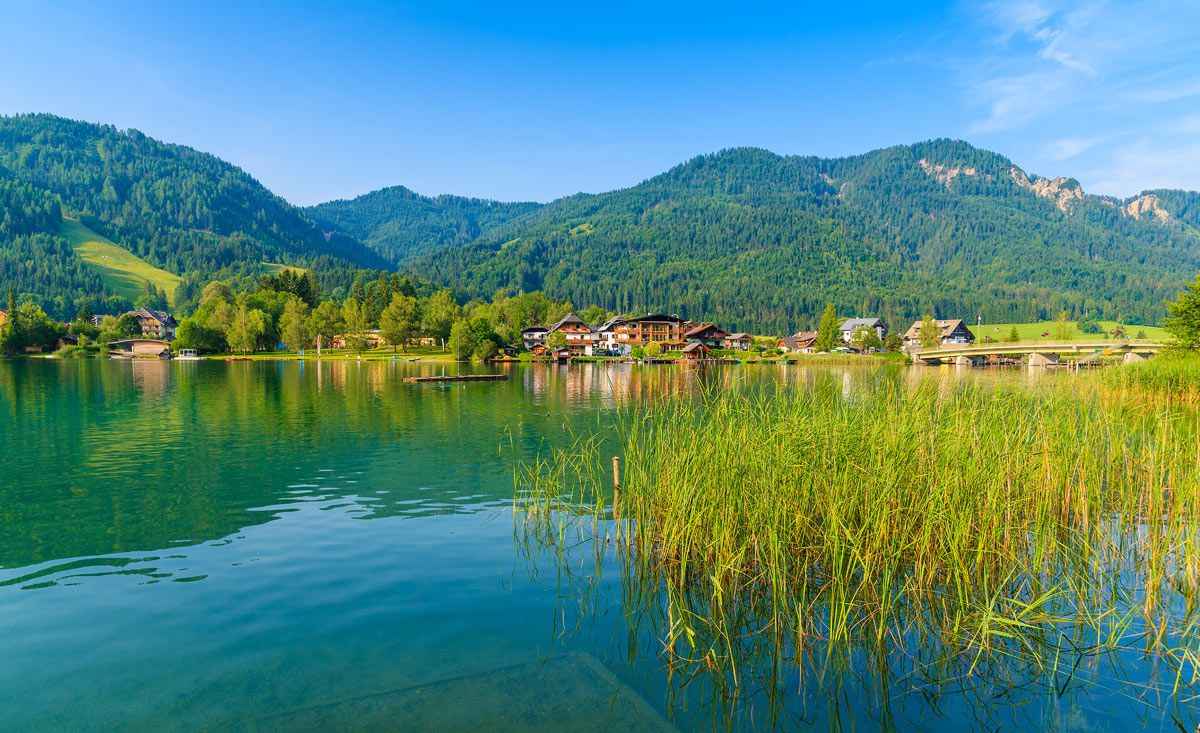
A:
(1069, 147)
(1170, 93)
(1110, 86)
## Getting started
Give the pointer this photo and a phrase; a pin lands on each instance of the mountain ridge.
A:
(938, 225)
(179, 209)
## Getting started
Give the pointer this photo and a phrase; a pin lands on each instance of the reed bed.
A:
(1013, 530)
(1174, 375)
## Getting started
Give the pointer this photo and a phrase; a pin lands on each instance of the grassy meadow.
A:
(984, 529)
(122, 271)
(1034, 331)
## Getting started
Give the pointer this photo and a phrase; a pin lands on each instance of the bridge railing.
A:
(1049, 342)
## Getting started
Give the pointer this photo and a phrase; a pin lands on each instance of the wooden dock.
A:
(460, 378)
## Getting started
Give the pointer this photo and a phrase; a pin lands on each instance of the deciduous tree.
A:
(400, 321)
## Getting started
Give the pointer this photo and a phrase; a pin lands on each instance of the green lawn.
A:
(122, 271)
(1033, 331)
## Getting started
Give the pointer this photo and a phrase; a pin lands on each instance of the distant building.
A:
(142, 347)
(854, 325)
(712, 336)
(695, 351)
(953, 331)
(3, 317)
(155, 324)
(651, 327)
(606, 335)
(739, 341)
(533, 336)
(803, 342)
(581, 338)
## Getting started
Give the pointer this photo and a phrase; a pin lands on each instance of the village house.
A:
(3, 317)
(581, 338)
(803, 342)
(953, 331)
(854, 325)
(142, 347)
(533, 336)
(712, 336)
(695, 351)
(651, 327)
(606, 335)
(155, 324)
(739, 341)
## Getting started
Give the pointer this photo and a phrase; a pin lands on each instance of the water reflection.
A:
(187, 545)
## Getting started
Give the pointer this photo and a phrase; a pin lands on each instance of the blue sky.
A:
(531, 101)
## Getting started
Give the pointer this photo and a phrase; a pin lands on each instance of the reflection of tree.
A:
(102, 457)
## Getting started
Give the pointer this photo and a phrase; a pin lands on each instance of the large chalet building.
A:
(952, 331)
(155, 324)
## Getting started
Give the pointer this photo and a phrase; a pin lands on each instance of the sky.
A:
(533, 101)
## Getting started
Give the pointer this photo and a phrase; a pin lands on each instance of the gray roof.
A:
(609, 324)
(161, 316)
(569, 318)
(854, 324)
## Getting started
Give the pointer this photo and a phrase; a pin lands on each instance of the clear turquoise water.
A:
(274, 545)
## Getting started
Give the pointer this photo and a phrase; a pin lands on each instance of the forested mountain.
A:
(403, 226)
(184, 211)
(747, 238)
(756, 240)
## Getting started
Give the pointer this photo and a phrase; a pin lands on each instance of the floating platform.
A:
(461, 378)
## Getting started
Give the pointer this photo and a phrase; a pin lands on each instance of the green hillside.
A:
(181, 217)
(762, 241)
(403, 226)
(121, 271)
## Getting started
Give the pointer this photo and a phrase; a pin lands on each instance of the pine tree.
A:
(1183, 323)
(930, 334)
(828, 335)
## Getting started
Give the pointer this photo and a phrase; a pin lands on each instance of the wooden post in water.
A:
(616, 487)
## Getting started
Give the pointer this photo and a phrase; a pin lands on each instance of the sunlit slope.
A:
(1000, 331)
(122, 271)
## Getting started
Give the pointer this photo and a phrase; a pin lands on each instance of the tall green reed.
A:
(1004, 524)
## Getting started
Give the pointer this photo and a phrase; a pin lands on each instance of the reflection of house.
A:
(533, 336)
(952, 331)
(156, 324)
(142, 347)
(708, 334)
(854, 325)
(739, 341)
(803, 342)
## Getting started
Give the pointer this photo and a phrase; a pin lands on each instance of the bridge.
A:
(1040, 353)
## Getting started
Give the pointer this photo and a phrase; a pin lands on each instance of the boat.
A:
(188, 355)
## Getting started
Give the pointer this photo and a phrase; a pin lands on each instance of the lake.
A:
(285, 545)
